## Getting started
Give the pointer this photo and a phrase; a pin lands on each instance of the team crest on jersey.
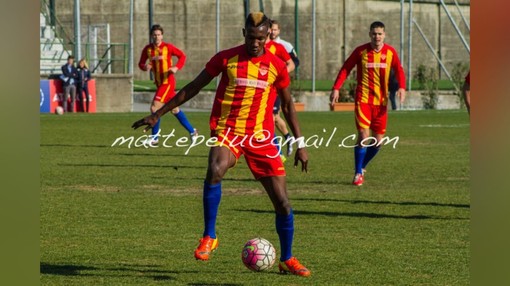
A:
(263, 69)
(383, 57)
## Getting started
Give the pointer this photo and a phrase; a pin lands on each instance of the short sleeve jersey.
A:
(373, 73)
(161, 59)
(245, 96)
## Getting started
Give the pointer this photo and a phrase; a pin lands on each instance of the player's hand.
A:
(333, 97)
(302, 156)
(173, 69)
(150, 121)
(148, 67)
(401, 93)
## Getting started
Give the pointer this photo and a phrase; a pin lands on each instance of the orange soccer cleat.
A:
(206, 246)
(294, 267)
(358, 179)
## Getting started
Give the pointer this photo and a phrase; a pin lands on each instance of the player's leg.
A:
(271, 173)
(372, 150)
(275, 187)
(281, 125)
(276, 109)
(277, 143)
(379, 120)
(363, 116)
(153, 140)
(220, 160)
(183, 120)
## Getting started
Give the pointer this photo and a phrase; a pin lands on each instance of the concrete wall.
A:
(114, 93)
(341, 26)
(317, 102)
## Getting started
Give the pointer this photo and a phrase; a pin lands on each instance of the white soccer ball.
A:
(59, 110)
(258, 254)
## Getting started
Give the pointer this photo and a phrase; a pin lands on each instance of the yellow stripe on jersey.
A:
(259, 123)
(365, 75)
(157, 67)
(377, 78)
(165, 63)
(249, 93)
(272, 49)
(228, 97)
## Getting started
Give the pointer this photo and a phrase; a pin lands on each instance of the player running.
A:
(374, 61)
(157, 58)
(242, 122)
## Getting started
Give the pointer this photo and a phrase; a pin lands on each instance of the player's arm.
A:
(282, 54)
(290, 66)
(181, 59)
(142, 63)
(185, 94)
(349, 64)
(290, 115)
(401, 78)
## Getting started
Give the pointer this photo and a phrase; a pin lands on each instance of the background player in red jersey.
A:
(251, 79)
(157, 58)
(374, 62)
(280, 51)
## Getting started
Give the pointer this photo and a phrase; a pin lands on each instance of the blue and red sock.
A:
(359, 157)
(371, 152)
(285, 230)
(211, 201)
(184, 121)
(155, 129)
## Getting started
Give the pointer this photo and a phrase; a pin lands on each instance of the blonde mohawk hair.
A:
(256, 19)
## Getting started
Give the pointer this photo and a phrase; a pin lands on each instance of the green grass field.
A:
(133, 216)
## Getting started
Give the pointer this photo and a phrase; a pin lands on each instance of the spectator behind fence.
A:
(69, 77)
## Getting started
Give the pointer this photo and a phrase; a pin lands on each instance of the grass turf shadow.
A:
(359, 215)
(152, 272)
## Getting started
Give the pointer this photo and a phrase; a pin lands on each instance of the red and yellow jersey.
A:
(278, 50)
(372, 74)
(161, 59)
(245, 96)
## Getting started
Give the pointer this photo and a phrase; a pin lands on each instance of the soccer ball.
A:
(59, 110)
(258, 254)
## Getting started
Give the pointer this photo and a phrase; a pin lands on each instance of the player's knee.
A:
(175, 110)
(283, 207)
(216, 171)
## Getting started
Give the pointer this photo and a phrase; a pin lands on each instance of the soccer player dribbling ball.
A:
(157, 58)
(242, 122)
(374, 62)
